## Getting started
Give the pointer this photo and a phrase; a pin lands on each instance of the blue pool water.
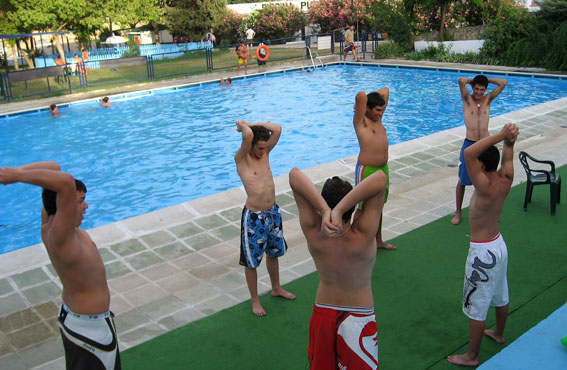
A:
(149, 152)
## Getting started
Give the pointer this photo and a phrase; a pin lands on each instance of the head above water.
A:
(490, 158)
(49, 197)
(333, 191)
(105, 99)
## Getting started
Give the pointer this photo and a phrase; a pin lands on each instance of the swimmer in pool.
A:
(105, 102)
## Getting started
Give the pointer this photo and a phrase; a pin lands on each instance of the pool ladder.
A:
(308, 49)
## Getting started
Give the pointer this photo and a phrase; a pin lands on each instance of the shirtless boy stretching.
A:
(486, 283)
(476, 113)
(343, 333)
(86, 324)
(373, 142)
(261, 226)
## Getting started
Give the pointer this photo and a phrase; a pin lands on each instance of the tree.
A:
(278, 21)
(226, 30)
(334, 14)
(194, 18)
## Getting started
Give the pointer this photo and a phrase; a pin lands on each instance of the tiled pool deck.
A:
(177, 265)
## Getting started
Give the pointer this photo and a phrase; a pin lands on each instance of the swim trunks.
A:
(485, 278)
(261, 232)
(343, 338)
(349, 47)
(464, 178)
(241, 60)
(90, 341)
(361, 172)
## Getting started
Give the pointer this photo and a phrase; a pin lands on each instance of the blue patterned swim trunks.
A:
(261, 232)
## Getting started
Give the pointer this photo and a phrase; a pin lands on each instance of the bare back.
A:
(486, 207)
(256, 176)
(80, 268)
(345, 267)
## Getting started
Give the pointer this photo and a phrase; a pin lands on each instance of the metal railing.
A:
(160, 63)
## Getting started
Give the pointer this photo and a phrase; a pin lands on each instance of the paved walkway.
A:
(177, 265)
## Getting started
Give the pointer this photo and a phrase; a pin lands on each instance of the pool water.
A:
(149, 152)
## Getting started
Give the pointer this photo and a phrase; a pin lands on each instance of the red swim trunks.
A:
(343, 338)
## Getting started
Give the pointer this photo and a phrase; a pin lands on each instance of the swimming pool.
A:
(148, 152)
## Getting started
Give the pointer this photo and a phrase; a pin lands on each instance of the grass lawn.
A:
(186, 64)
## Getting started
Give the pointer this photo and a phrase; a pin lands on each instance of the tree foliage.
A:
(194, 18)
(335, 14)
(278, 21)
(227, 29)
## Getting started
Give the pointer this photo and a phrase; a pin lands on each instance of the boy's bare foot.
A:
(280, 292)
(257, 308)
(492, 335)
(457, 219)
(463, 360)
(384, 245)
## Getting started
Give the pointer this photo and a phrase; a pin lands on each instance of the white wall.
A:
(456, 46)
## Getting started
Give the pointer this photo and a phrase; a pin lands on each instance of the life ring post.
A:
(260, 57)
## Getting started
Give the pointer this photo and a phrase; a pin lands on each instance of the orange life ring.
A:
(260, 58)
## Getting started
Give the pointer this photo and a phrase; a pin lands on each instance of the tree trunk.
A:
(15, 55)
(443, 11)
(59, 47)
(29, 51)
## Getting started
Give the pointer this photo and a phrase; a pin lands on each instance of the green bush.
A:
(133, 48)
(389, 50)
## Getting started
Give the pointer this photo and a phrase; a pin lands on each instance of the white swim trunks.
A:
(485, 278)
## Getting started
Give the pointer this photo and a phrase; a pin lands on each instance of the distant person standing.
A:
(60, 62)
(242, 53)
(261, 223)
(349, 43)
(85, 56)
(85, 321)
(250, 36)
(486, 281)
(476, 113)
(211, 37)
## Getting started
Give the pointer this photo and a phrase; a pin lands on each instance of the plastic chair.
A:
(541, 177)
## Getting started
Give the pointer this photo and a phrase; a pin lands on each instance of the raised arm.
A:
(247, 137)
(276, 131)
(508, 133)
(507, 160)
(385, 94)
(370, 190)
(463, 82)
(314, 212)
(500, 85)
(359, 109)
(48, 175)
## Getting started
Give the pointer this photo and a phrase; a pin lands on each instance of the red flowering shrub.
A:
(333, 14)
(278, 21)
